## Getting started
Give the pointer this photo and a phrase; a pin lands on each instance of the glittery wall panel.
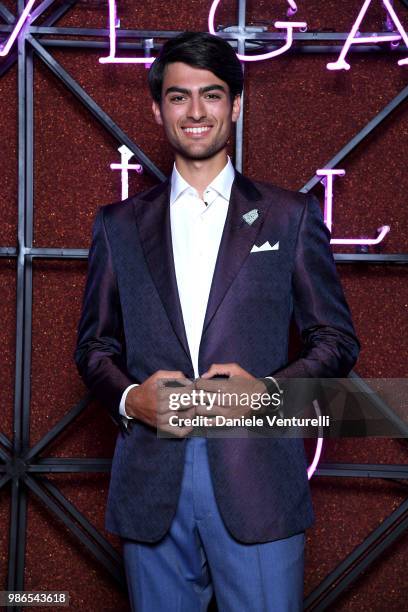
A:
(378, 298)
(290, 136)
(329, 16)
(343, 522)
(150, 15)
(7, 340)
(56, 386)
(8, 157)
(4, 536)
(56, 560)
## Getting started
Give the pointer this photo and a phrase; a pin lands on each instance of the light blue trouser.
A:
(198, 554)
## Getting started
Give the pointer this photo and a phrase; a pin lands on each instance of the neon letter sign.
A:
(25, 16)
(124, 166)
(354, 38)
(327, 180)
(289, 25)
(111, 58)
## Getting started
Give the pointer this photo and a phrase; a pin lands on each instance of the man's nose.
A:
(197, 109)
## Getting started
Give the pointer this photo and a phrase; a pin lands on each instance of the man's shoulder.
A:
(123, 208)
(279, 198)
(278, 193)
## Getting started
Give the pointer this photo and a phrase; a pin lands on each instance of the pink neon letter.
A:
(124, 166)
(327, 180)
(354, 38)
(111, 58)
(5, 48)
(289, 25)
(312, 467)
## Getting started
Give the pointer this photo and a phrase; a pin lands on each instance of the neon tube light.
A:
(328, 175)
(355, 38)
(312, 467)
(5, 47)
(289, 25)
(111, 58)
(124, 166)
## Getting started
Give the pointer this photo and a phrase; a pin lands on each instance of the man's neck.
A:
(200, 172)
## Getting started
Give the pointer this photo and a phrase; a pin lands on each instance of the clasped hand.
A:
(167, 394)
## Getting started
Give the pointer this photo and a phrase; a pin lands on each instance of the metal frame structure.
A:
(23, 466)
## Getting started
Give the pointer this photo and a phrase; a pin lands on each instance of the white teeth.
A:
(197, 130)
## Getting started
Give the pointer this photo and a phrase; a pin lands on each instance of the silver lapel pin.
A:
(251, 216)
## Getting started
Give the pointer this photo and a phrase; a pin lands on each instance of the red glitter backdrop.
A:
(297, 115)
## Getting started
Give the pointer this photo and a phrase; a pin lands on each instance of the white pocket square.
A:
(266, 246)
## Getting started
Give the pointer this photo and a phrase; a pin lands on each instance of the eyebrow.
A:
(188, 91)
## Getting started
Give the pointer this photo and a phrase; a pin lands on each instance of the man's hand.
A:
(149, 402)
(231, 389)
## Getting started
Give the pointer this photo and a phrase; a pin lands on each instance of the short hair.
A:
(199, 50)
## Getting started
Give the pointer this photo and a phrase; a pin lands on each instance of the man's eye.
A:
(213, 96)
(177, 98)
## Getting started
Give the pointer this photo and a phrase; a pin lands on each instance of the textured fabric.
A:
(132, 325)
(199, 556)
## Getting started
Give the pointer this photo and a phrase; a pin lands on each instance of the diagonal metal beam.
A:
(72, 511)
(358, 138)
(102, 117)
(6, 15)
(4, 480)
(110, 565)
(62, 424)
(53, 18)
(354, 564)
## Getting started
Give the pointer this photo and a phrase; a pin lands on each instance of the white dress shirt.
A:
(196, 229)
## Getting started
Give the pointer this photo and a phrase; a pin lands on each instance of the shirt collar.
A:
(222, 183)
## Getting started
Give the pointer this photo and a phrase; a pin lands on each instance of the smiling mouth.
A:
(197, 131)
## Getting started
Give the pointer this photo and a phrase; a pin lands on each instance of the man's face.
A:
(196, 111)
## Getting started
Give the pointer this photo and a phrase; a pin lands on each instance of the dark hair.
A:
(199, 50)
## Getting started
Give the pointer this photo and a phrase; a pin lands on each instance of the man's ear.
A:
(236, 108)
(157, 112)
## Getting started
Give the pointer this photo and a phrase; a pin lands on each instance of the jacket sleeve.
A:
(99, 352)
(330, 346)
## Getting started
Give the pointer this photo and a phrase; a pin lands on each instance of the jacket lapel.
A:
(237, 239)
(153, 220)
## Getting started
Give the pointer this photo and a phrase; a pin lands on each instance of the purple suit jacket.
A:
(131, 326)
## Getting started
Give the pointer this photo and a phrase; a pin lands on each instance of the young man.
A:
(177, 289)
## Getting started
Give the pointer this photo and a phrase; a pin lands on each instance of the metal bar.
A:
(280, 36)
(371, 258)
(351, 567)
(62, 424)
(5, 441)
(8, 252)
(298, 49)
(85, 524)
(341, 258)
(239, 126)
(361, 470)
(89, 544)
(28, 243)
(4, 480)
(57, 14)
(358, 138)
(4, 456)
(96, 110)
(7, 15)
(41, 8)
(379, 404)
(70, 465)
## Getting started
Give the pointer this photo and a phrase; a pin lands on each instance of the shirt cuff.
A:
(122, 409)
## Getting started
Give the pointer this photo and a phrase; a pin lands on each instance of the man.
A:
(178, 290)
